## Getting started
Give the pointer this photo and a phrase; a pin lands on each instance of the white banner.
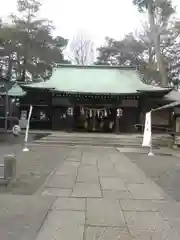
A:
(27, 126)
(147, 131)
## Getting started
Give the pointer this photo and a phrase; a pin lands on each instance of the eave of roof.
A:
(172, 96)
(96, 66)
(14, 91)
(163, 91)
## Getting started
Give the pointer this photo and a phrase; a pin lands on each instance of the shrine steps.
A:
(108, 140)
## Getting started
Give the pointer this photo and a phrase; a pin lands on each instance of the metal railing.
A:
(158, 129)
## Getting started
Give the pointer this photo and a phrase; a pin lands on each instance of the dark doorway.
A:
(128, 120)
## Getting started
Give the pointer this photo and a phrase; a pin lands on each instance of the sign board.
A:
(23, 115)
(57, 101)
(129, 103)
(160, 117)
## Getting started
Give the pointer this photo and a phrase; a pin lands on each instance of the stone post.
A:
(9, 167)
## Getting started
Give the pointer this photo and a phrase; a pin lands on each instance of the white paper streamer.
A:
(98, 113)
(105, 113)
(82, 111)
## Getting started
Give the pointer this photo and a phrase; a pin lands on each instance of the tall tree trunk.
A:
(23, 75)
(9, 70)
(156, 41)
(18, 69)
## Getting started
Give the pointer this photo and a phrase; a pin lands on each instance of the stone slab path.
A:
(101, 195)
(21, 217)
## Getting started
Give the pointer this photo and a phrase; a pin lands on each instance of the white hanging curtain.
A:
(82, 111)
(105, 113)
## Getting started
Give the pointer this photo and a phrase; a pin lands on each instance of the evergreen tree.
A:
(29, 45)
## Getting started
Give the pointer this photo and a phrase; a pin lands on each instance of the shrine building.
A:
(93, 99)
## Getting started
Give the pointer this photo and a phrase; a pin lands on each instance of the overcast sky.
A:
(98, 18)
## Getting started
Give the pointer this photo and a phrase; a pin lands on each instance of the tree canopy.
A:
(154, 51)
(28, 47)
(27, 44)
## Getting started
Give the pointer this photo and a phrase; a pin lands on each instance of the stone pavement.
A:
(101, 195)
(21, 217)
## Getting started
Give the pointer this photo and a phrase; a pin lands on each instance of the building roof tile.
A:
(95, 80)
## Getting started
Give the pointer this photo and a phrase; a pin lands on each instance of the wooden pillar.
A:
(70, 118)
(50, 110)
(11, 103)
(6, 108)
(172, 119)
(93, 121)
(143, 108)
(138, 111)
(139, 115)
(117, 122)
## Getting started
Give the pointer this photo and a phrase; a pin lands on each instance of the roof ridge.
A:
(96, 66)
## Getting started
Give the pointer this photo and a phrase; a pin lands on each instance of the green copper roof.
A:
(173, 96)
(13, 88)
(95, 79)
(16, 91)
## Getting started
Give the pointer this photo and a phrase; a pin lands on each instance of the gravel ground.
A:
(164, 170)
(33, 167)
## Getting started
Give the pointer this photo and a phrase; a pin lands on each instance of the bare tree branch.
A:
(82, 50)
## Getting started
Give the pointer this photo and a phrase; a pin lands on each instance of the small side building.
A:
(10, 93)
(174, 97)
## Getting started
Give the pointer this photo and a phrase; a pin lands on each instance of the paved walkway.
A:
(101, 195)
